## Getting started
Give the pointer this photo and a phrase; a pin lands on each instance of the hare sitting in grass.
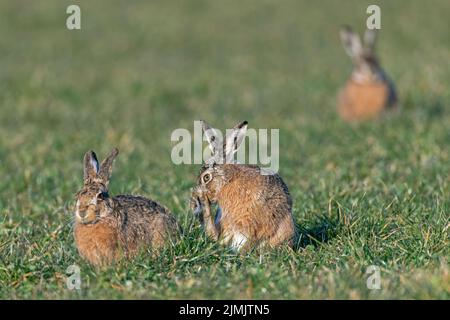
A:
(369, 91)
(108, 228)
(254, 207)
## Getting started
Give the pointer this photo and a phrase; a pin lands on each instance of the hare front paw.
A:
(196, 200)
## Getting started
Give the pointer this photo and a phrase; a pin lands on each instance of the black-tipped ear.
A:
(234, 139)
(241, 125)
(351, 42)
(106, 166)
(214, 138)
(91, 167)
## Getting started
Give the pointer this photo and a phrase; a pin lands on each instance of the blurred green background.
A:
(369, 194)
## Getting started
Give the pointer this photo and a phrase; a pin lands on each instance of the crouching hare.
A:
(254, 209)
(369, 92)
(108, 228)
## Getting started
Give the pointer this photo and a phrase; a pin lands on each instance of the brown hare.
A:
(108, 228)
(254, 209)
(369, 92)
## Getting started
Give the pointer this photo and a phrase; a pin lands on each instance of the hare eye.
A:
(102, 195)
(207, 178)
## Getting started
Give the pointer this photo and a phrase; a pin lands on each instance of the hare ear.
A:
(91, 167)
(351, 42)
(234, 139)
(370, 38)
(106, 166)
(214, 139)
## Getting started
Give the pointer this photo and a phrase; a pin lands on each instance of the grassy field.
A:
(369, 194)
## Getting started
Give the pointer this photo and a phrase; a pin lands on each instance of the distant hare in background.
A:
(253, 209)
(369, 91)
(107, 228)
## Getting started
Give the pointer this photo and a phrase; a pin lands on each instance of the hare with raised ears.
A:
(369, 91)
(108, 228)
(254, 209)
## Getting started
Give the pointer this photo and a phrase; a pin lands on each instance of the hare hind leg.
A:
(235, 239)
(285, 234)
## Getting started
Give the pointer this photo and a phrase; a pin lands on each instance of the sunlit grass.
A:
(368, 194)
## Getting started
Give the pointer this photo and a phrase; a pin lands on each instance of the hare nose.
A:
(82, 213)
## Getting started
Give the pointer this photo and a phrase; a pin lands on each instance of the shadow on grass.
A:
(318, 233)
(429, 107)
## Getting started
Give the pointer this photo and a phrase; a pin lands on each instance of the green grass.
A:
(369, 194)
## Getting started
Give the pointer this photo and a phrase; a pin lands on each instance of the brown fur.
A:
(97, 243)
(109, 228)
(247, 196)
(369, 92)
(363, 101)
(255, 209)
